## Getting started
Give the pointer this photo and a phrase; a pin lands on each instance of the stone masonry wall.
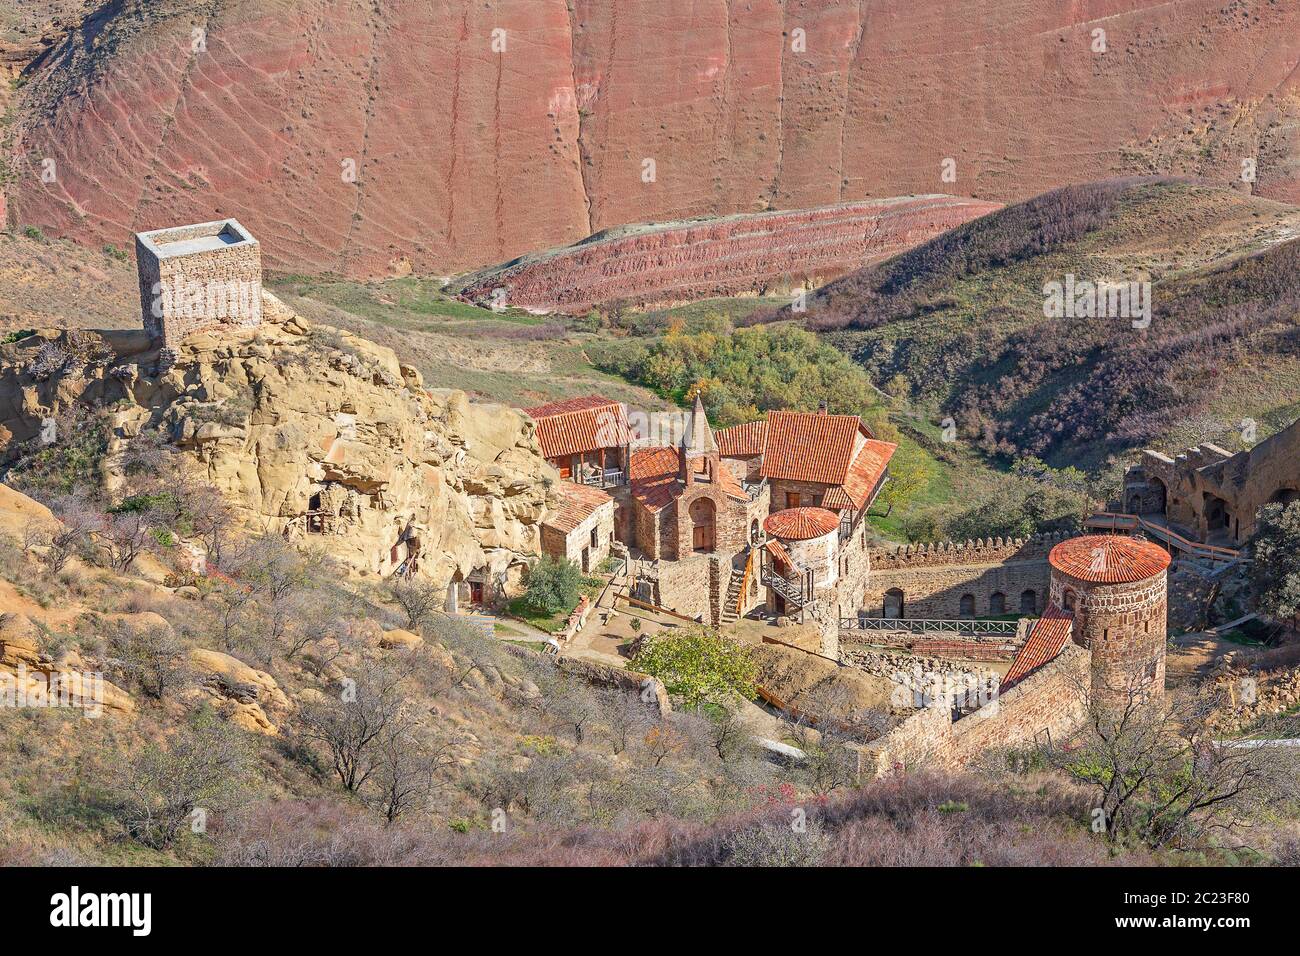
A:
(934, 577)
(686, 586)
(202, 290)
(1124, 626)
(569, 547)
(1051, 701)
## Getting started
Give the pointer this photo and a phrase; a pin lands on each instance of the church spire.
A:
(698, 440)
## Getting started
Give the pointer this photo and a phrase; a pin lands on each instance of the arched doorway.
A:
(1215, 511)
(1028, 601)
(1158, 498)
(967, 605)
(997, 604)
(893, 604)
(703, 514)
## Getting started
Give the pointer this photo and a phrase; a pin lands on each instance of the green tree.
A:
(553, 586)
(1275, 571)
(698, 664)
(907, 478)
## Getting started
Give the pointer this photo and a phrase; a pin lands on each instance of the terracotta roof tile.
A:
(863, 475)
(577, 504)
(1047, 639)
(800, 524)
(653, 475)
(779, 553)
(810, 446)
(1109, 558)
(742, 441)
(577, 425)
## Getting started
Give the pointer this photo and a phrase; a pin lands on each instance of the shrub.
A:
(163, 785)
(698, 664)
(553, 586)
(1275, 572)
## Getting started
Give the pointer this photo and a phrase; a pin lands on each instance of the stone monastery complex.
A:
(767, 522)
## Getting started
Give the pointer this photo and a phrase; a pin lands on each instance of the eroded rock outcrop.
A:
(309, 432)
(673, 262)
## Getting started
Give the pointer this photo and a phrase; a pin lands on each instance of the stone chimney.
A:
(823, 407)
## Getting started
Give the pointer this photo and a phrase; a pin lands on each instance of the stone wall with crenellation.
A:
(935, 577)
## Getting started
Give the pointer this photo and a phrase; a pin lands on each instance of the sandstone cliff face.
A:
(317, 434)
(465, 156)
(763, 252)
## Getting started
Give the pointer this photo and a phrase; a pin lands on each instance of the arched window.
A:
(893, 604)
(997, 604)
(1068, 599)
(967, 605)
(1028, 602)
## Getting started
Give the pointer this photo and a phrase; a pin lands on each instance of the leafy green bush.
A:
(741, 373)
(1275, 572)
(698, 664)
(552, 586)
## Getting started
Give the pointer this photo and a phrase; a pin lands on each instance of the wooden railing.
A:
(744, 583)
(1116, 521)
(798, 593)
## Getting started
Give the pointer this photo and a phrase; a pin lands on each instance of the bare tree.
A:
(128, 533)
(212, 518)
(405, 769)
(232, 600)
(419, 600)
(162, 787)
(352, 721)
(728, 732)
(826, 731)
(663, 740)
(1160, 775)
(624, 718)
(79, 519)
(571, 703)
(154, 657)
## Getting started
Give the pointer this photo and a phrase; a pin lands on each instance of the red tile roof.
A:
(1047, 639)
(810, 446)
(577, 425)
(1109, 558)
(779, 553)
(800, 524)
(864, 473)
(577, 504)
(653, 475)
(742, 441)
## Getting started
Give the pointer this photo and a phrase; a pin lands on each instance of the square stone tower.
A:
(198, 277)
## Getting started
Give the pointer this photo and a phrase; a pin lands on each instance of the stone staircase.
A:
(730, 602)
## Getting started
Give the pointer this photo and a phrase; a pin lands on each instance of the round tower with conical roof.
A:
(1117, 589)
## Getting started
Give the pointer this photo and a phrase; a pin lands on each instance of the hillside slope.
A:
(188, 109)
(733, 255)
(961, 323)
